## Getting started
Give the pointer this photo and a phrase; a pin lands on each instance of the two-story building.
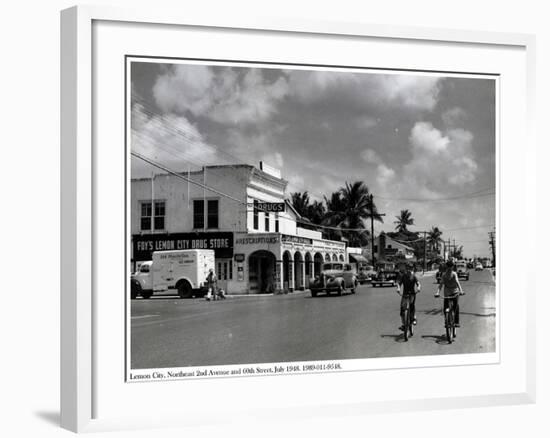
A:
(240, 212)
(388, 249)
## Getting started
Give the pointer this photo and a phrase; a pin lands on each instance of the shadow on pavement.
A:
(396, 338)
(436, 311)
(439, 339)
(483, 315)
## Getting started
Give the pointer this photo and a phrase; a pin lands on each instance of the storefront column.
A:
(291, 276)
(279, 276)
(303, 277)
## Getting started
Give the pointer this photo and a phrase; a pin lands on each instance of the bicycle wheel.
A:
(448, 327)
(411, 325)
(406, 324)
(452, 318)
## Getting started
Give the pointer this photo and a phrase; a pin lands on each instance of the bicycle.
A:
(449, 315)
(407, 318)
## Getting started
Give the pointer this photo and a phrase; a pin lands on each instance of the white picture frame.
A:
(81, 202)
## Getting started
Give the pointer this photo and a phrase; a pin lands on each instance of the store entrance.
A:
(261, 272)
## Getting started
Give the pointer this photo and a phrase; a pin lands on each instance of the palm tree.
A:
(403, 220)
(316, 212)
(357, 206)
(434, 238)
(334, 215)
(457, 252)
(300, 202)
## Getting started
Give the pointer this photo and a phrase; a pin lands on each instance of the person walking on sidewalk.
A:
(212, 284)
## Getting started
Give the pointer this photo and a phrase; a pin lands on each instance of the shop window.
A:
(152, 219)
(160, 214)
(225, 270)
(146, 214)
(213, 217)
(198, 213)
(267, 221)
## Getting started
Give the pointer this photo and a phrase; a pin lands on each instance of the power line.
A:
(476, 194)
(211, 189)
(169, 127)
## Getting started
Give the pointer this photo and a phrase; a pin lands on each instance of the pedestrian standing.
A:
(212, 283)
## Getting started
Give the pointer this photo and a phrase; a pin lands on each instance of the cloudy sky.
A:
(420, 142)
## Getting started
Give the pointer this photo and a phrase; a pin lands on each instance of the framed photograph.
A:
(291, 217)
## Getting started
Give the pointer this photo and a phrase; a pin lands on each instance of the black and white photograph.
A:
(308, 214)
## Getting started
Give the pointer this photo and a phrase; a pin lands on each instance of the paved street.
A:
(170, 332)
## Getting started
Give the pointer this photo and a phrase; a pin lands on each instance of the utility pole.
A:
(152, 202)
(492, 243)
(372, 228)
(424, 270)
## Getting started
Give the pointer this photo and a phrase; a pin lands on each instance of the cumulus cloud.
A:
(226, 95)
(170, 140)
(424, 136)
(274, 159)
(384, 173)
(371, 156)
(453, 117)
(440, 160)
(365, 122)
(366, 91)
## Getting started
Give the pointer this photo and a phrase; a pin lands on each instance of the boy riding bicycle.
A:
(411, 286)
(451, 289)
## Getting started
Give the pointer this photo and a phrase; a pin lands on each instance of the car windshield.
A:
(336, 266)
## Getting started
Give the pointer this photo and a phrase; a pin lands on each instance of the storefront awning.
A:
(358, 258)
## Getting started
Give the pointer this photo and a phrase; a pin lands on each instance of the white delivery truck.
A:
(184, 271)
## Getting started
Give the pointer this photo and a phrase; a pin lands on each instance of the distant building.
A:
(388, 249)
(259, 244)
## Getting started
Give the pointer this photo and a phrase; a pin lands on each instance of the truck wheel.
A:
(313, 294)
(185, 290)
(135, 290)
(146, 295)
(340, 290)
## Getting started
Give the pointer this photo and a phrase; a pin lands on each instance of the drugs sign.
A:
(270, 207)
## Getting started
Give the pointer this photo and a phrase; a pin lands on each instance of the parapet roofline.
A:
(255, 171)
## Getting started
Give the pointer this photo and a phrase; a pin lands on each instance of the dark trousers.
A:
(412, 308)
(446, 304)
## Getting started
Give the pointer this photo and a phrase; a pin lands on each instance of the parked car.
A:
(365, 274)
(387, 275)
(462, 271)
(335, 277)
(479, 267)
